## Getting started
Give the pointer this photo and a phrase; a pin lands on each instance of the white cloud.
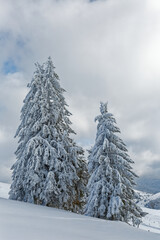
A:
(2, 136)
(144, 162)
(105, 50)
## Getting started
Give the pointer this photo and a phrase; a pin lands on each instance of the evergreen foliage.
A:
(111, 194)
(50, 168)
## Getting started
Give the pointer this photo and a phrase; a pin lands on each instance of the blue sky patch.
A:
(20, 42)
(9, 66)
(4, 36)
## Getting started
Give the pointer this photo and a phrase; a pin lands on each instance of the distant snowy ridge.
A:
(148, 200)
(154, 202)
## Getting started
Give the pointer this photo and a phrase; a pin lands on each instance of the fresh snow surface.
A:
(24, 221)
(151, 222)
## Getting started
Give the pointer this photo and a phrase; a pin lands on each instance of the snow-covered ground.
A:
(24, 221)
(151, 222)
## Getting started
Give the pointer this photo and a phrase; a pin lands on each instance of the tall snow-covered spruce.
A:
(111, 194)
(50, 168)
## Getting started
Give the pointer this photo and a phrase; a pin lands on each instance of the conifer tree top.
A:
(103, 107)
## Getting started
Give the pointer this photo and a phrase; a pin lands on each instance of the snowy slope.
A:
(151, 222)
(148, 200)
(154, 201)
(155, 196)
(24, 221)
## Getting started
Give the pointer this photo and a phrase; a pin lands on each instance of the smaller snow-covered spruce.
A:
(50, 167)
(110, 187)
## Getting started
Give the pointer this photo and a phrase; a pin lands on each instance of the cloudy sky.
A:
(104, 50)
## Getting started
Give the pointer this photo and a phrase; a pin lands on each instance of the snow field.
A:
(24, 221)
(151, 222)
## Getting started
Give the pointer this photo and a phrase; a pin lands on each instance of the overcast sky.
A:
(104, 50)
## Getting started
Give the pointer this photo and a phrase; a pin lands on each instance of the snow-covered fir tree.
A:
(50, 167)
(110, 187)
